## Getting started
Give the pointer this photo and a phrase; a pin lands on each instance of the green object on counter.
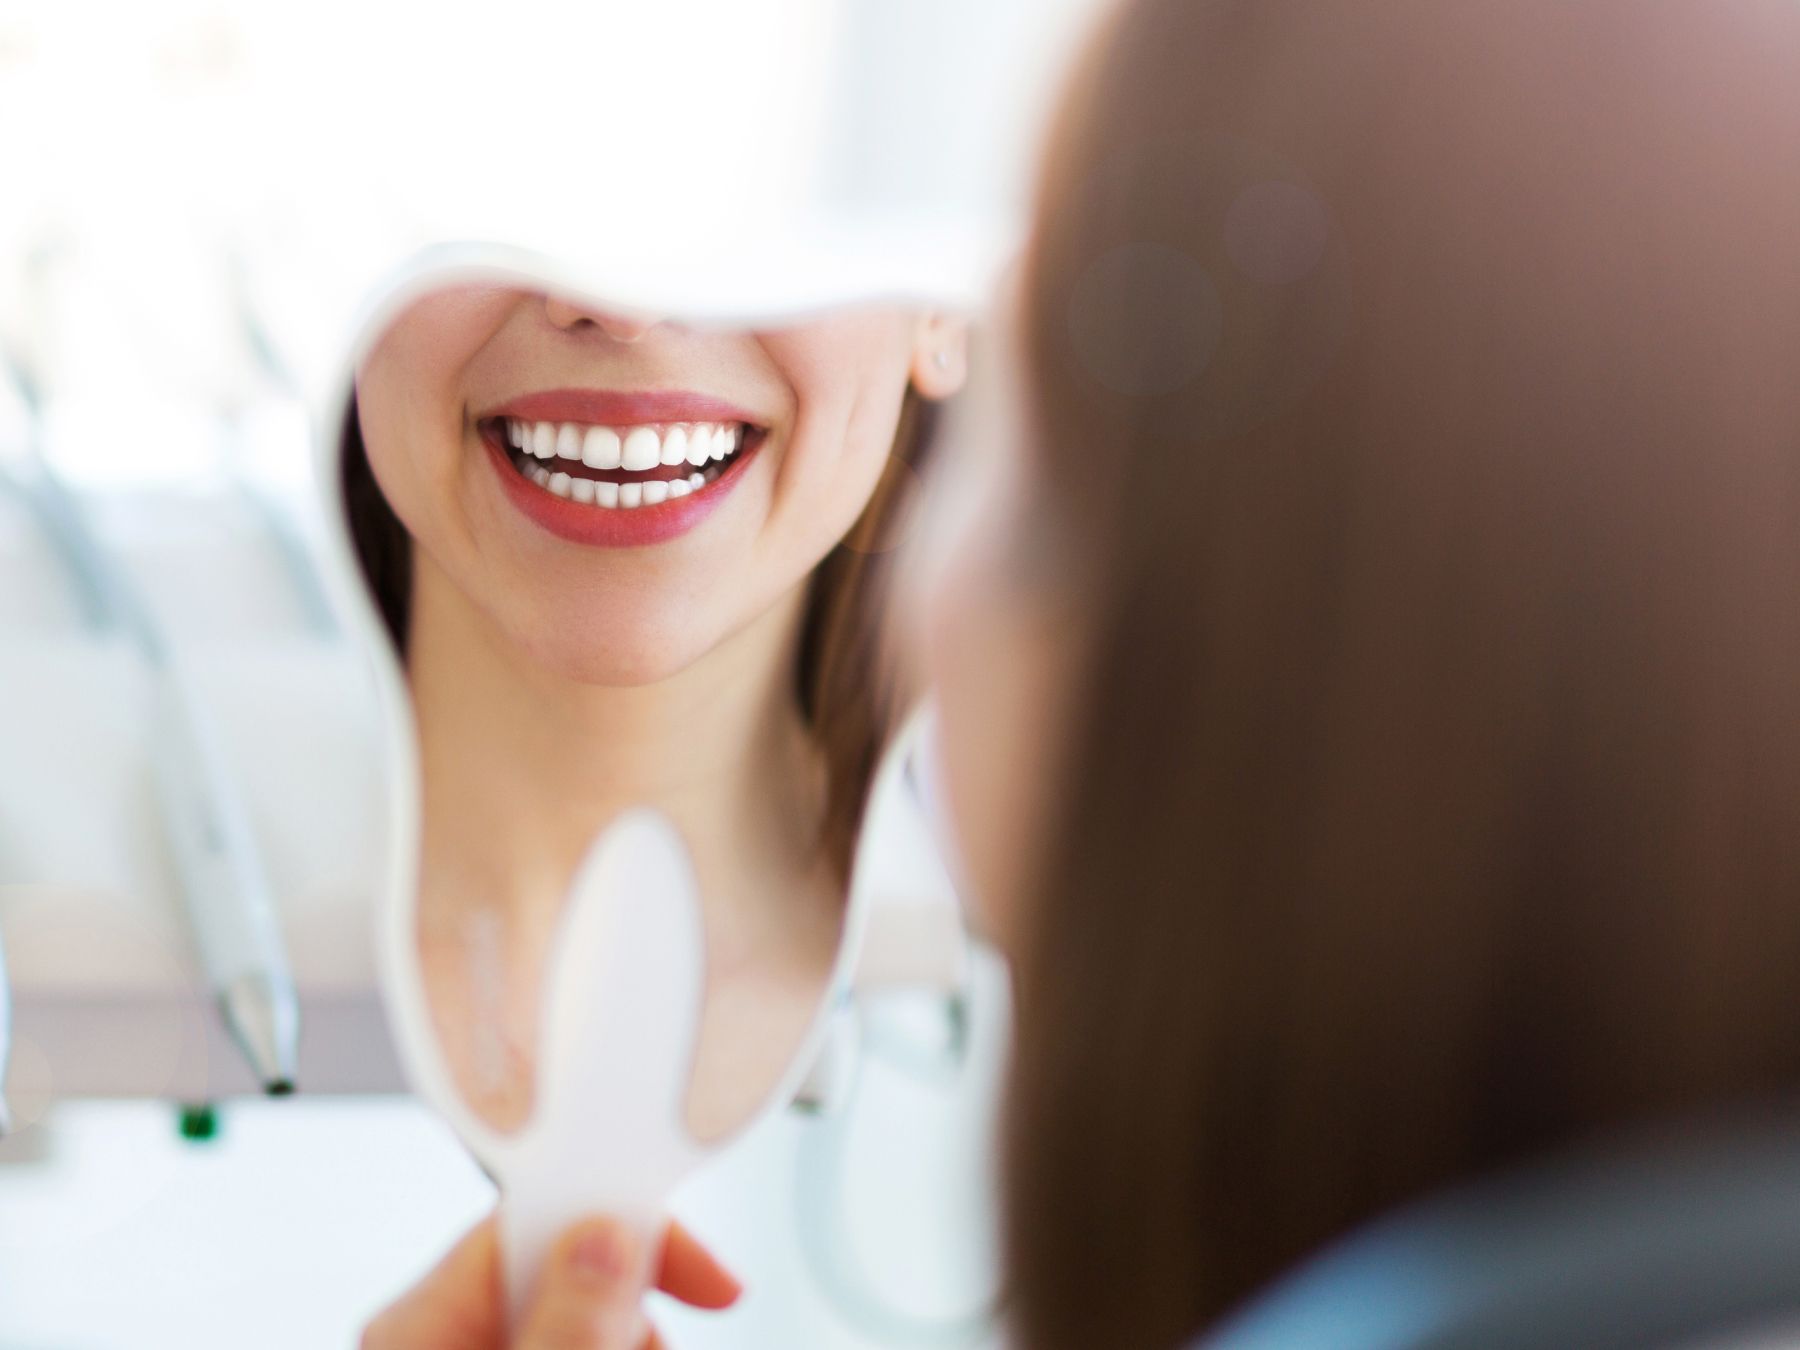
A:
(199, 1123)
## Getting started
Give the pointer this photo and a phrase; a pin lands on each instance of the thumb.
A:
(455, 1307)
(590, 1294)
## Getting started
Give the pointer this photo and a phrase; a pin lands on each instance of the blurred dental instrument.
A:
(230, 903)
(277, 518)
(5, 1042)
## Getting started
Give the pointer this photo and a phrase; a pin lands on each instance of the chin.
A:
(619, 648)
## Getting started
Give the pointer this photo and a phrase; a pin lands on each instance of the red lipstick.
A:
(615, 408)
(614, 527)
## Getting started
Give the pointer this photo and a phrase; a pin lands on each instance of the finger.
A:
(692, 1274)
(590, 1294)
(653, 1341)
(456, 1306)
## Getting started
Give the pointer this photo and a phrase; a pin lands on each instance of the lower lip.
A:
(612, 527)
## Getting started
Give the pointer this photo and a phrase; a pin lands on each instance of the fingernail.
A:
(603, 1253)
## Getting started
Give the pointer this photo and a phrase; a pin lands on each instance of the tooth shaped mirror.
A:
(627, 575)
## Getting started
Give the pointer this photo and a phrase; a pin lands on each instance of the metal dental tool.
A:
(5, 1041)
(229, 900)
(277, 519)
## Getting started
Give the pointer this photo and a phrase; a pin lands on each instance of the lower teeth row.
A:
(600, 492)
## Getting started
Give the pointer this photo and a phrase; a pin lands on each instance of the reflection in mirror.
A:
(627, 560)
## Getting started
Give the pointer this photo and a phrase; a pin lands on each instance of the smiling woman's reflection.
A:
(612, 552)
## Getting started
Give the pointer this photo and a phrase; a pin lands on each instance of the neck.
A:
(521, 765)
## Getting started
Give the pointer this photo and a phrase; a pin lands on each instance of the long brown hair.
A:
(851, 689)
(1416, 388)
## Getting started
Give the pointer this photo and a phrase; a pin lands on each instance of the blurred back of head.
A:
(1417, 395)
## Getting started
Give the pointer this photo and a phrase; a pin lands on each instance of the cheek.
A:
(409, 401)
(394, 435)
(849, 377)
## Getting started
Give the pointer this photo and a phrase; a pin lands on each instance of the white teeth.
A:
(642, 449)
(603, 492)
(638, 448)
(700, 443)
(600, 448)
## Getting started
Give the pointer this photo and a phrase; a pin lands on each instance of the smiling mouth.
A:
(622, 467)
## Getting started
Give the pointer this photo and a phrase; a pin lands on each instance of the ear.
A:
(940, 354)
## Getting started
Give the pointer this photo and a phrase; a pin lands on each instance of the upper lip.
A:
(619, 407)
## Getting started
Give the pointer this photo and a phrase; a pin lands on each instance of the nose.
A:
(619, 327)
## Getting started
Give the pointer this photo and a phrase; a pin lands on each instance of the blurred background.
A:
(200, 201)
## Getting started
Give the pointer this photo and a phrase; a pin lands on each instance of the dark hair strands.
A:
(1433, 791)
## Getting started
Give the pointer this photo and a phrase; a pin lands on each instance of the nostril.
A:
(564, 315)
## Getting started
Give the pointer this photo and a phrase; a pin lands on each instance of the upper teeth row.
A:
(640, 447)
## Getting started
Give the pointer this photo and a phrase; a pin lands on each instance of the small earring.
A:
(941, 360)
